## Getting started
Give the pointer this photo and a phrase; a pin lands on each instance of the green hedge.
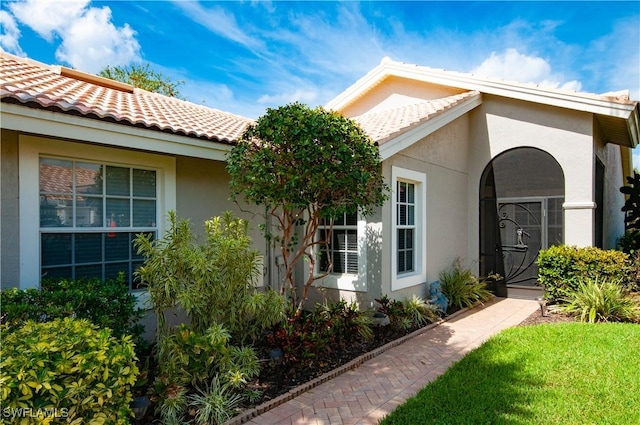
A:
(108, 304)
(562, 268)
(69, 369)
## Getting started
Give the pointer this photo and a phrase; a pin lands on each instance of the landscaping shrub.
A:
(214, 282)
(193, 360)
(601, 301)
(462, 288)
(408, 313)
(107, 304)
(562, 268)
(70, 368)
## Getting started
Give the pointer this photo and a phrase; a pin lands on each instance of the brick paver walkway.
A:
(366, 394)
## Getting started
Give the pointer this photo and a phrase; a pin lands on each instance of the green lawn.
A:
(565, 374)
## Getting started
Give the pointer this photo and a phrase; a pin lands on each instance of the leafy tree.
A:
(305, 166)
(142, 76)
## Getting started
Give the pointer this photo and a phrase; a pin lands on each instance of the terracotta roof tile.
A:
(383, 125)
(37, 85)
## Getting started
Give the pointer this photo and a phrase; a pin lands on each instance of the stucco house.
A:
(482, 170)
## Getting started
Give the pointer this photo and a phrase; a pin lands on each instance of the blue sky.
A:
(244, 56)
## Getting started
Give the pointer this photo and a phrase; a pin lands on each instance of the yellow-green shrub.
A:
(70, 367)
(562, 268)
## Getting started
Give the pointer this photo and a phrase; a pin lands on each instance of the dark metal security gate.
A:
(521, 197)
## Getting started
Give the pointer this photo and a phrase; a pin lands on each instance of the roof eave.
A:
(536, 94)
(47, 123)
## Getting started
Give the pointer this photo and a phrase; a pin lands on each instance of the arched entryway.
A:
(521, 197)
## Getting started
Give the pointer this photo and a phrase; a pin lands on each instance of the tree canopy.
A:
(305, 166)
(142, 76)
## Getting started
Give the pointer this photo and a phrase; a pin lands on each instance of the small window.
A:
(90, 214)
(408, 243)
(341, 250)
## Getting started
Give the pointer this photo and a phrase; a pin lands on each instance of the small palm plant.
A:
(462, 288)
(419, 311)
(602, 301)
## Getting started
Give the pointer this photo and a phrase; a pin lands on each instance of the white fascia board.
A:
(47, 123)
(633, 125)
(408, 138)
(576, 101)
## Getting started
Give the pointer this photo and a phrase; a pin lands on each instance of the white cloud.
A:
(636, 158)
(48, 17)
(9, 34)
(89, 40)
(515, 66)
(220, 22)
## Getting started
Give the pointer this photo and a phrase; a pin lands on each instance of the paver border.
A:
(249, 414)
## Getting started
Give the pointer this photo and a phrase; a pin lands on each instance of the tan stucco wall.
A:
(202, 188)
(9, 211)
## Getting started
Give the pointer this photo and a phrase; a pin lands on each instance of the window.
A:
(79, 217)
(408, 259)
(342, 248)
(405, 225)
(89, 216)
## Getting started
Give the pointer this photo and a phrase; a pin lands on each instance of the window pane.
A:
(402, 192)
(56, 211)
(88, 212)
(338, 262)
(352, 240)
(144, 213)
(93, 270)
(401, 238)
(88, 178)
(56, 176)
(352, 263)
(410, 193)
(409, 239)
(112, 270)
(88, 247)
(118, 213)
(402, 215)
(118, 181)
(56, 249)
(55, 272)
(117, 246)
(144, 183)
(401, 261)
(411, 219)
(352, 219)
(409, 261)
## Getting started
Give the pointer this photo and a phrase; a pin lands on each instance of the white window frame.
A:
(348, 281)
(32, 148)
(419, 274)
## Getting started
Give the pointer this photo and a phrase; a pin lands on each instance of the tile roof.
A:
(37, 85)
(384, 125)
